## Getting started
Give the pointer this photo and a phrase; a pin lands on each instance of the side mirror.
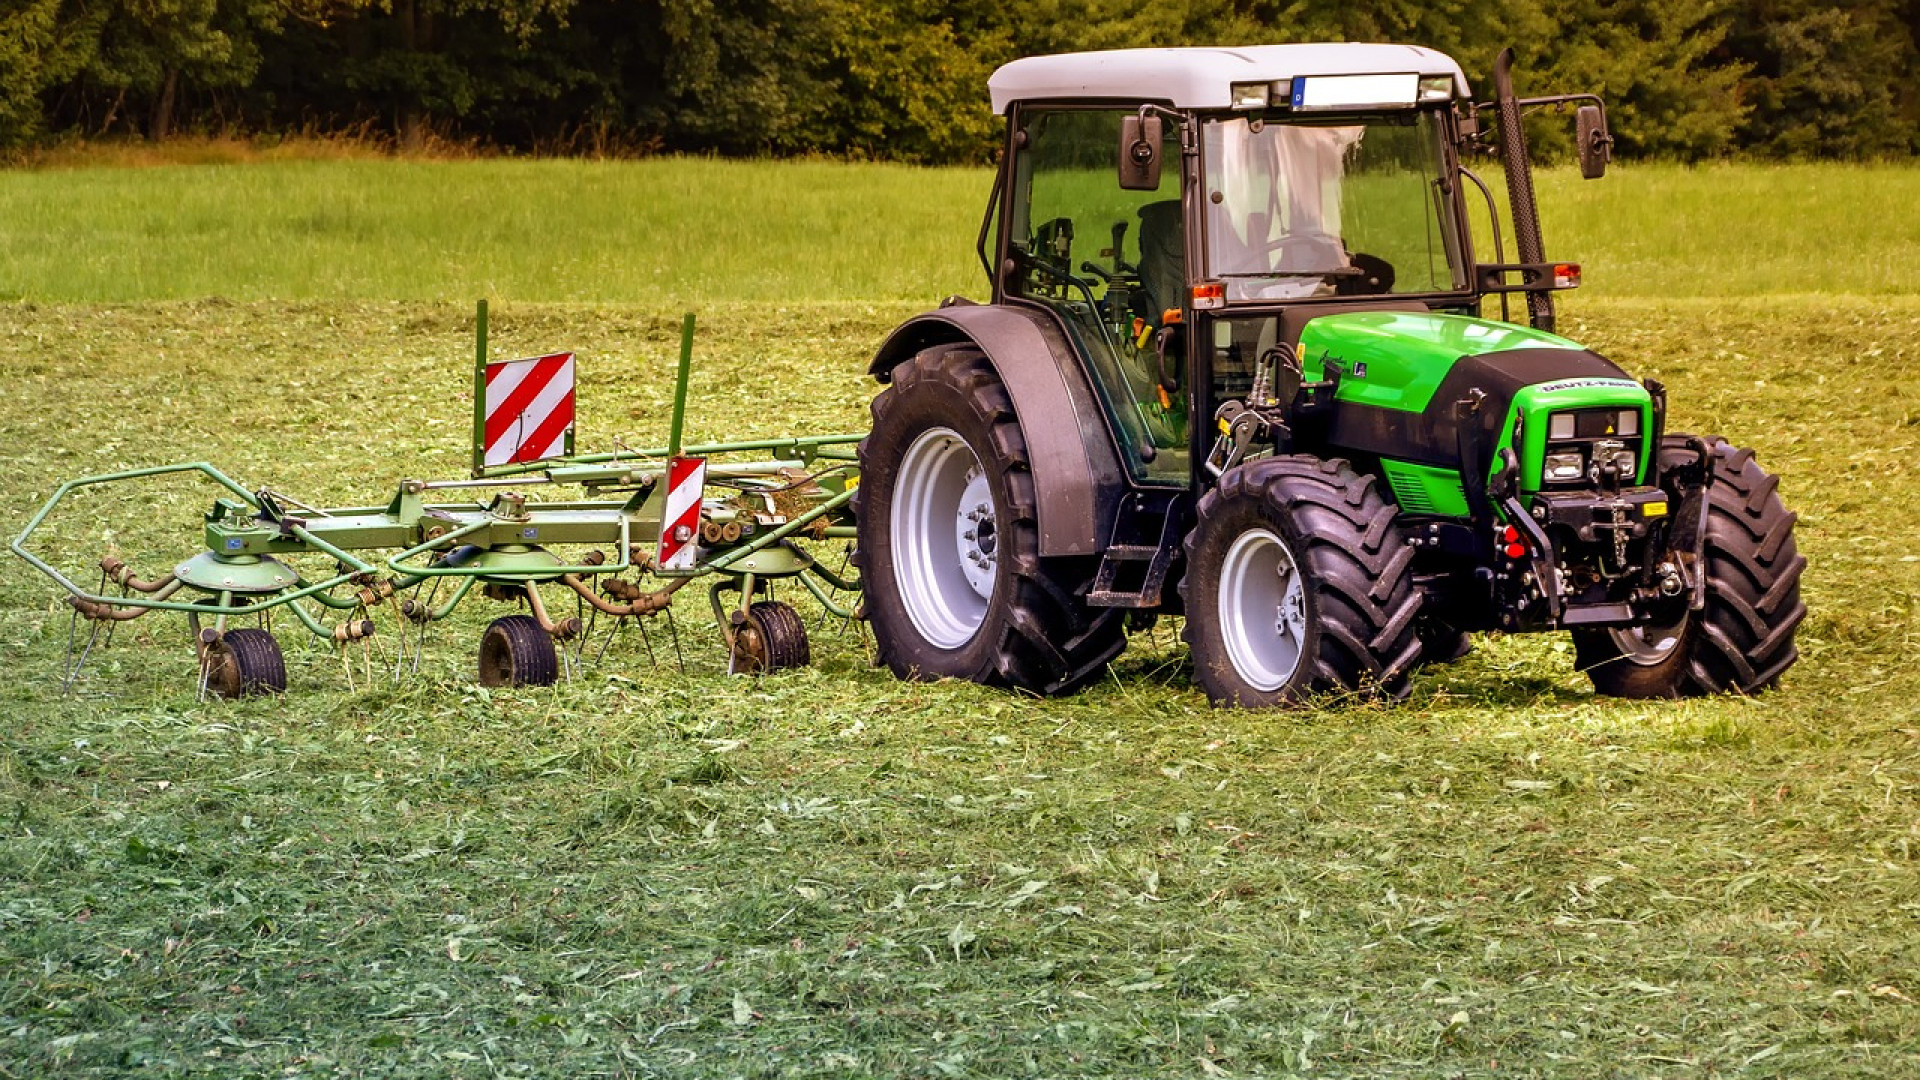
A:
(1140, 152)
(1594, 143)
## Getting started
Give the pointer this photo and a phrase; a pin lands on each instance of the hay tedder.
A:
(738, 516)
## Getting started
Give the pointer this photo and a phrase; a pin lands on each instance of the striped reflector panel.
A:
(529, 408)
(680, 525)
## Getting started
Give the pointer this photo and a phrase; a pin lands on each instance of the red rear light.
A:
(1566, 275)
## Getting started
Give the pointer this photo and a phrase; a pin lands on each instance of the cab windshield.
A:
(1341, 207)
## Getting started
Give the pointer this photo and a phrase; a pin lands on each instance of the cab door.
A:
(1111, 263)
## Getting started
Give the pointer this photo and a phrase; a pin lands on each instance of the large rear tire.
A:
(1742, 641)
(949, 539)
(1298, 585)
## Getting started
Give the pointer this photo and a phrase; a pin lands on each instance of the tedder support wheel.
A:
(517, 651)
(1297, 585)
(949, 539)
(1742, 640)
(242, 663)
(772, 638)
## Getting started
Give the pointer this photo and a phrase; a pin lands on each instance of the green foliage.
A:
(1827, 78)
(40, 49)
(904, 79)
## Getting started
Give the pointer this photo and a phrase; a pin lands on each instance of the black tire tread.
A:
(1753, 580)
(255, 659)
(783, 635)
(1050, 642)
(1742, 642)
(529, 650)
(1355, 564)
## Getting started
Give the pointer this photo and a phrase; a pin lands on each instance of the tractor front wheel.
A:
(1299, 585)
(949, 539)
(1742, 641)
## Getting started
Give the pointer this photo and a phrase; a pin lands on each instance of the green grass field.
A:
(827, 873)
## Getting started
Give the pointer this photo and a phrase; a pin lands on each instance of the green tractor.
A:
(1236, 366)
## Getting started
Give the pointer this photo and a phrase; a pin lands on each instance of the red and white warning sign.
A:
(680, 524)
(529, 409)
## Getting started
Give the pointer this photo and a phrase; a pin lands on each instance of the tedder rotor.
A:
(653, 521)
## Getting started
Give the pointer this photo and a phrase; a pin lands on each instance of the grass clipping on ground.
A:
(830, 873)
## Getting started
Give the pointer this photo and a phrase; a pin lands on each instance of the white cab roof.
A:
(1200, 78)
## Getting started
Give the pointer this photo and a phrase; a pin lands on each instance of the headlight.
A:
(1628, 422)
(1567, 465)
(1560, 426)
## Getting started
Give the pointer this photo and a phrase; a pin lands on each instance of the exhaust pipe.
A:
(1519, 167)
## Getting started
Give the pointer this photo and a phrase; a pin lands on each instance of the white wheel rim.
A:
(945, 539)
(1263, 615)
(1648, 645)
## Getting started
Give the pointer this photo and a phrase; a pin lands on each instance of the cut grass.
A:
(830, 873)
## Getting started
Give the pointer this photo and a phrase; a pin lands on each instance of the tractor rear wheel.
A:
(516, 650)
(949, 540)
(1299, 585)
(1742, 641)
(242, 663)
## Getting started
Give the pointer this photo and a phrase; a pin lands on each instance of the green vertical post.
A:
(480, 388)
(680, 386)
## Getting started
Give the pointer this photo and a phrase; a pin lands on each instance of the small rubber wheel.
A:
(242, 663)
(516, 651)
(772, 638)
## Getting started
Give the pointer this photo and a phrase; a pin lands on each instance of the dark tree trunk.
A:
(160, 121)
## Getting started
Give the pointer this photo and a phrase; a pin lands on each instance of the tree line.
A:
(899, 79)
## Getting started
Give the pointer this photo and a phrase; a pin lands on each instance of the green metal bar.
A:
(393, 563)
(794, 445)
(336, 603)
(460, 592)
(825, 600)
(480, 388)
(305, 534)
(782, 532)
(312, 624)
(19, 544)
(680, 387)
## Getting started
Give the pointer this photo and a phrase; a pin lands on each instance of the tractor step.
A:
(1118, 584)
(1597, 615)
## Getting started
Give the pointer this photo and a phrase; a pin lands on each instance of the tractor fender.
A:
(1077, 479)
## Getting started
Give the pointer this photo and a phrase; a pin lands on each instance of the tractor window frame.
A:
(1450, 212)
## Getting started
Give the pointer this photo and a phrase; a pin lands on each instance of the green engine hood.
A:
(1397, 359)
(1402, 372)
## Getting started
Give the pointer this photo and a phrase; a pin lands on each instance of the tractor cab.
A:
(1271, 177)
